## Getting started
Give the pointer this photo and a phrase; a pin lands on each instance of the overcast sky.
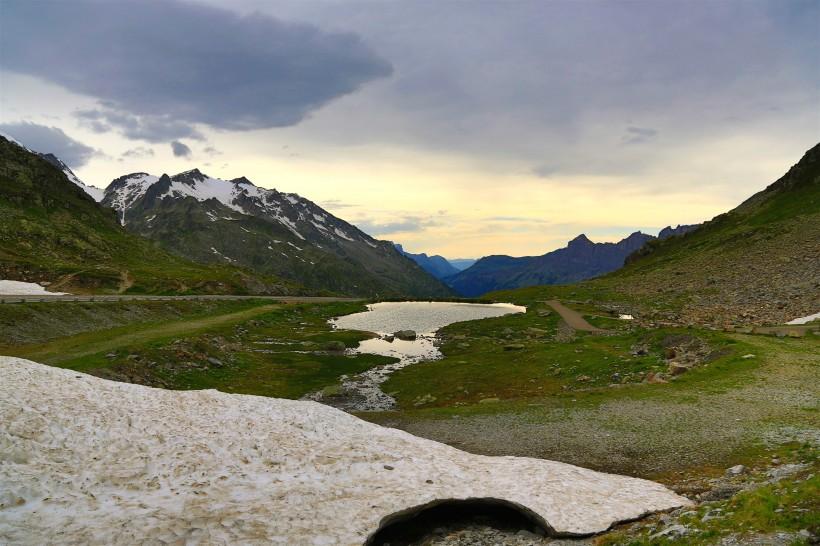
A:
(456, 128)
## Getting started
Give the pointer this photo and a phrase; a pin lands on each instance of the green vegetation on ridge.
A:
(51, 230)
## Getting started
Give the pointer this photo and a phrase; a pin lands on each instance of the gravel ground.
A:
(670, 438)
(653, 435)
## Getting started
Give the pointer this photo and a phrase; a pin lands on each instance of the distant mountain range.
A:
(581, 259)
(437, 266)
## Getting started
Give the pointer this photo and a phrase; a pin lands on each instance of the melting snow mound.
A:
(19, 288)
(89, 461)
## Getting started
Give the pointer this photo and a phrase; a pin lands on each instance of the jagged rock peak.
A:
(242, 180)
(190, 177)
(581, 240)
(636, 235)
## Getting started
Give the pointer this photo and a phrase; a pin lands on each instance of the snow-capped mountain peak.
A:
(300, 216)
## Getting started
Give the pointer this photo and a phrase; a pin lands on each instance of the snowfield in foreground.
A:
(89, 461)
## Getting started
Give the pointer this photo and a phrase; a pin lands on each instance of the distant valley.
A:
(581, 259)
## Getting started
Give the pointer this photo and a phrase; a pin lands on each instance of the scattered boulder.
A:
(678, 368)
(514, 347)
(737, 470)
(721, 493)
(215, 362)
(406, 335)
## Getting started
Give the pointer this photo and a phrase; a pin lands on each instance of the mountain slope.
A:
(96, 193)
(211, 220)
(437, 266)
(581, 259)
(758, 263)
(51, 230)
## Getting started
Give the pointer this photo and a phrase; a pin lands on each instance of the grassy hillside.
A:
(757, 264)
(52, 231)
(247, 347)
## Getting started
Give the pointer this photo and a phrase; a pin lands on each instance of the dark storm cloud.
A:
(180, 149)
(151, 128)
(50, 140)
(160, 67)
(553, 83)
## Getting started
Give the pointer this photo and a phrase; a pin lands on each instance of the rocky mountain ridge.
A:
(437, 266)
(211, 220)
(581, 259)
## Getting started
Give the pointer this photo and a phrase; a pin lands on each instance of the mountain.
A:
(210, 220)
(437, 266)
(581, 259)
(96, 193)
(462, 263)
(756, 264)
(52, 231)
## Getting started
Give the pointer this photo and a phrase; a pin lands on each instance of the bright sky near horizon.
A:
(455, 128)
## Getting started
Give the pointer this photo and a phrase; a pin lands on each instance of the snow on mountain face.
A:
(96, 193)
(124, 191)
(239, 194)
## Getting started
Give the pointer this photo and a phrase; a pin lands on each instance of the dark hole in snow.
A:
(409, 527)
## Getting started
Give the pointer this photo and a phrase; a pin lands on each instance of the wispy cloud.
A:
(638, 135)
(403, 224)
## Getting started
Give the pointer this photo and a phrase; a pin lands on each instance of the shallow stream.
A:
(363, 392)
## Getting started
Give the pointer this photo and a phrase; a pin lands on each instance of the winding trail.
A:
(575, 320)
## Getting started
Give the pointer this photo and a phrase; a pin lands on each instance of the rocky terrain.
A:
(758, 264)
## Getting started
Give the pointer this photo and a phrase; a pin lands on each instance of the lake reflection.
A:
(363, 392)
(425, 317)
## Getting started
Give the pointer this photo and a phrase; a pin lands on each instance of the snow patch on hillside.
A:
(804, 320)
(19, 288)
(90, 461)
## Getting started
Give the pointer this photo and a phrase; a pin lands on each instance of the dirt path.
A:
(64, 349)
(575, 320)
